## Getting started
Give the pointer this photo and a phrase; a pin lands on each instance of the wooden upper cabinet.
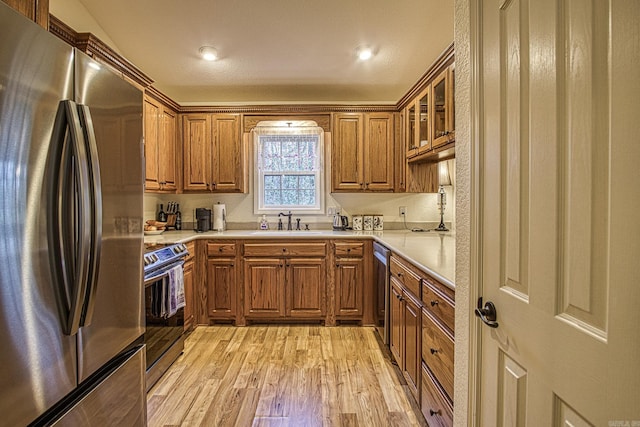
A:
(151, 133)
(159, 147)
(196, 140)
(347, 156)
(378, 152)
(213, 153)
(362, 154)
(36, 10)
(228, 165)
(167, 154)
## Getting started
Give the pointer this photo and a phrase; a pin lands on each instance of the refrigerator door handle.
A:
(68, 231)
(95, 212)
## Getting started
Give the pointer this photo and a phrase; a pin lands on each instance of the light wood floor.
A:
(282, 376)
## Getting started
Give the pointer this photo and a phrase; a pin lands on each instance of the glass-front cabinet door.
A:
(424, 118)
(410, 130)
(442, 92)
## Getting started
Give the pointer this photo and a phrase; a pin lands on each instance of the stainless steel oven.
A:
(164, 323)
(382, 290)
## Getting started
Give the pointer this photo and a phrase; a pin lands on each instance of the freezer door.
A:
(38, 361)
(117, 400)
(115, 306)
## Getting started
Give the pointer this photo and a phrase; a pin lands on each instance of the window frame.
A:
(258, 181)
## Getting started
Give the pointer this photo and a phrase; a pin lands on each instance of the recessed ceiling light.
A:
(208, 53)
(364, 53)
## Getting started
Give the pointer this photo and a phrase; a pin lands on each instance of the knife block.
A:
(171, 221)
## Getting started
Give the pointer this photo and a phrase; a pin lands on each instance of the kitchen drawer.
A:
(437, 352)
(439, 305)
(221, 249)
(284, 249)
(408, 278)
(436, 408)
(349, 249)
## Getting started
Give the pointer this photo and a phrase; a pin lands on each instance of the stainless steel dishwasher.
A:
(381, 256)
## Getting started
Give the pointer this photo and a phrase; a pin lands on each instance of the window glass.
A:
(288, 170)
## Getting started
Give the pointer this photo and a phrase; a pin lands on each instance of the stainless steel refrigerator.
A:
(71, 297)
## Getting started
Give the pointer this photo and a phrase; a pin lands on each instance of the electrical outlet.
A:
(403, 210)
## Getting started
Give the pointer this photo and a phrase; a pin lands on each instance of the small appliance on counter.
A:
(340, 222)
(203, 220)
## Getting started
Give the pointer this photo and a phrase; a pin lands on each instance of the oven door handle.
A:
(161, 273)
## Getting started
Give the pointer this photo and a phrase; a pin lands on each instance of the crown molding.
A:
(97, 49)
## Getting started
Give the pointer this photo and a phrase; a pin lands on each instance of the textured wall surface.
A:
(463, 211)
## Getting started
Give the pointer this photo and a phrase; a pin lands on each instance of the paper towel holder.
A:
(219, 217)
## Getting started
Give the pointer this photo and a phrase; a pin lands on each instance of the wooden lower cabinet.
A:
(306, 287)
(284, 288)
(221, 288)
(221, 281)
(349, 285)
(412, 347)
(422, 340)
(396, 323)
(406, 334)
(264, 295)
(189, 295)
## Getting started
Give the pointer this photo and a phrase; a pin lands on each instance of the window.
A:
(288, 169)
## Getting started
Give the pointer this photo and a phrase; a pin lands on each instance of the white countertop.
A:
(431, 251)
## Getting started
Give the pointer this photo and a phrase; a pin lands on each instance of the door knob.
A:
(487, 314)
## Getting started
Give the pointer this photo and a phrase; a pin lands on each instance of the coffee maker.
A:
(203, 220)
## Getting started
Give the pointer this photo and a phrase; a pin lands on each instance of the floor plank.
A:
(282, 375)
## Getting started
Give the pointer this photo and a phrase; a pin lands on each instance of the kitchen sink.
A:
(287, 232)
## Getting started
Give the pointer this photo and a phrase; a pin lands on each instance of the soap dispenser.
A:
(264, 224)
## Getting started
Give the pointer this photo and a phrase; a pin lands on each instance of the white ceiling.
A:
(277, 51)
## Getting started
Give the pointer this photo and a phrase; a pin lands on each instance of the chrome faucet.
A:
(288, 219)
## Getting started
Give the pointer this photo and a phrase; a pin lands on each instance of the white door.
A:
(560, 212)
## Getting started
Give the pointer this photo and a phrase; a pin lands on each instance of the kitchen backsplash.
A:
(422, 209)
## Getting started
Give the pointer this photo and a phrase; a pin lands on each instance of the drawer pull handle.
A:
(432, 412)
(433, 350)
(434, 303)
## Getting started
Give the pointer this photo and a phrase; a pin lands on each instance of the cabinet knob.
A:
(220, 249)
(432, 412)
(337, 265)
(433, 350)
(434, 303)
(400, 274)
(349, 250)
(284, 249)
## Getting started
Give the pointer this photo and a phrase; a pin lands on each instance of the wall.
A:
(465, 346)
(422, 209)
(75, 15)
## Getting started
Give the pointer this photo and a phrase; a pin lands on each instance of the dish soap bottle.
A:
(264, 224)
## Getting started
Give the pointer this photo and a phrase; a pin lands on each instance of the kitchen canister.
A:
(378, 223)
(356, 223)
(367, 222)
